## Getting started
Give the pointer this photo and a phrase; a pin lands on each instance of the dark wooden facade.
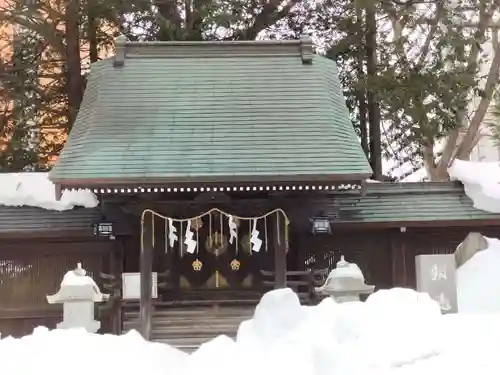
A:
(385, 251)
(34, 257)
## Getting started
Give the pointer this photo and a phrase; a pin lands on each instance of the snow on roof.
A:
(36, 190)
(419, 175)
(481, 182)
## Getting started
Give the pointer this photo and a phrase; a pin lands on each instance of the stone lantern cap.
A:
(77, 286)
(345, 278)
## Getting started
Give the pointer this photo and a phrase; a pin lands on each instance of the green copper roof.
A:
(212, 111)
(410, 203)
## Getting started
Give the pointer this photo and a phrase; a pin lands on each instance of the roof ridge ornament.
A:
(120, 45)
(306, 49)
(125, 49)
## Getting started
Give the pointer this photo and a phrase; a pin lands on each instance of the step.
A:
(184, 342)
(197, 303)
(189, 326)
(186, 335)
(188, 321)
(184, 348)
(223, 311)
(186, 328)
(196, 326)
(172, 332)
(198, 334)
(191, 322)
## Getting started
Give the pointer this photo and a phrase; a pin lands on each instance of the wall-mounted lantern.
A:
(321, 225)
(104, 229)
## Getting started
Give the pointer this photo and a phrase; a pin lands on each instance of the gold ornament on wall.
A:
(245, 244)
(197, 265)
(197, 223)
(216, 243)
(235, 265)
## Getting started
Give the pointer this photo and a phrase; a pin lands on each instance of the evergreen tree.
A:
(432, 73)
(19, 84)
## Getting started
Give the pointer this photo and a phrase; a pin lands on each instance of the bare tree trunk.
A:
(74, 79)
(92, 32)
(361, 92)
(462, 148)
(373, 108)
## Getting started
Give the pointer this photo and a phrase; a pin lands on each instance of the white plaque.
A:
(436, 276)
(131, 285)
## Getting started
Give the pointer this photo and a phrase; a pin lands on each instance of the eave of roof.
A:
(401, 204)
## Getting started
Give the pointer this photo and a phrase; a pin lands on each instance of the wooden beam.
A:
(210, 181)
(40, 313)
(339, 226)
(146, 267)
(55, 234)
(58, 192)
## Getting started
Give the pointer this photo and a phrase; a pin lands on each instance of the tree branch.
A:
(424, 51)
(467, 143)
(51, 35)
(427, 151)
(168, 9)
(269, 15)
(449, 151)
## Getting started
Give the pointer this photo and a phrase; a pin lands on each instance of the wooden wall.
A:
(31, 269)
(385, 254)
(427, 241)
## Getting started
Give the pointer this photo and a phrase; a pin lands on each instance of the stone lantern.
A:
(78, 294)
(345, 283)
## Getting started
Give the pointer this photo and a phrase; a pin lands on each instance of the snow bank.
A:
(395, 332)
(478, 281)
(75, 352)
(481, 182)
(36, 190)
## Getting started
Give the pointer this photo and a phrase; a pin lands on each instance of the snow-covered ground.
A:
(396, 332)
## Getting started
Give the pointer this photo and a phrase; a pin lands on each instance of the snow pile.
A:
(481, 182)
(36, 190)
(75, 352)
(478, 281)
(396, 332)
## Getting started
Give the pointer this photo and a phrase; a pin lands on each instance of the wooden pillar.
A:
(398, 255)
(116, 271)
(146, 267)
(279, 252)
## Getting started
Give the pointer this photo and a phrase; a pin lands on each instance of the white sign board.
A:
(436, 275)
(131, 285)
